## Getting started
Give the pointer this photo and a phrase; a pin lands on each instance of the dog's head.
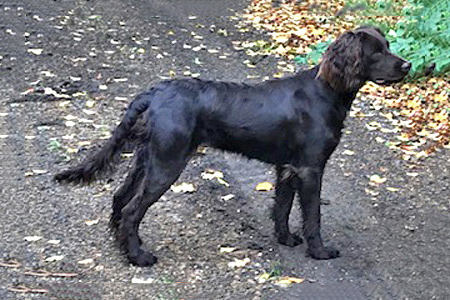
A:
(358, 56)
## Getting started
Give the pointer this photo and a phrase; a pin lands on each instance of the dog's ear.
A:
(341, 64)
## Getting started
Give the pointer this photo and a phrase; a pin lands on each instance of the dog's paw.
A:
(323, 253)
(143, 259)
(290, 240)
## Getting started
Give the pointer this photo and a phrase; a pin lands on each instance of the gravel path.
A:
(394, 244)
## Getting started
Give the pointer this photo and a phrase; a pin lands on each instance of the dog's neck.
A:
(344, 96)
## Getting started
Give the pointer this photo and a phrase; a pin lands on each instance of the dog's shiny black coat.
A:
(293, 123)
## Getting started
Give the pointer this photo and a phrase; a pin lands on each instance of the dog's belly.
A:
(274, 148)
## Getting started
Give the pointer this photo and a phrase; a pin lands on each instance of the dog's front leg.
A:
(284, 195)
(310, 186)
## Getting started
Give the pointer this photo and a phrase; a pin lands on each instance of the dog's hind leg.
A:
(128, 189)
(284, 195)
(158, 178)
(165, 156)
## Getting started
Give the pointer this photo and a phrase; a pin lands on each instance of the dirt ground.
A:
(68, 70)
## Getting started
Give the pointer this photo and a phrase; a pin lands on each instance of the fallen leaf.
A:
(371, 192)
(35, 172)
(348, 152)
(264, 186)
(52, 92)
(227, 249)
(35, 51)
(54, 242)
(33, 238)
(239, 263)
(227, 197)
(286, 281)
(210, 174)
(91, 222)
(377, 179)
(263, 277)
(142, 280)
(223, 182)
(412, 174)
(183, 188)
(54, 258)
(86, 261)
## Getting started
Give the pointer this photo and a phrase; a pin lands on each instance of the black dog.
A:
(294, 123)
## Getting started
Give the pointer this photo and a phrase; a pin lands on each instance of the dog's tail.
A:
(103, 161)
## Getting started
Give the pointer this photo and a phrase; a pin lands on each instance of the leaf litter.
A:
(418, 112)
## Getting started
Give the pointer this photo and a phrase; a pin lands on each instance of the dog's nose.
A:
(406, 66)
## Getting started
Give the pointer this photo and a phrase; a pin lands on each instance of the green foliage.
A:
(54, 145)
(422, 35)
(314, 56)
(275, 269)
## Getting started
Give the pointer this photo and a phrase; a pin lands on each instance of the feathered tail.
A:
(103, 161)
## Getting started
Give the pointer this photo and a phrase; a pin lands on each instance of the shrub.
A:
(421, 34)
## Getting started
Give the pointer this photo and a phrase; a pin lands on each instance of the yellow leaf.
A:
(183, 188)
(223, 182)
(285, 281)
(91, 222)
(442, 97)
(211, 174)
(377, 179)
(264, 277)
(278, 75)
(294, 279)
(348, 152)
(71, 150)
(264, 186)
(239, 263)
(318, 31)
(90, 103)
(227, 249)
